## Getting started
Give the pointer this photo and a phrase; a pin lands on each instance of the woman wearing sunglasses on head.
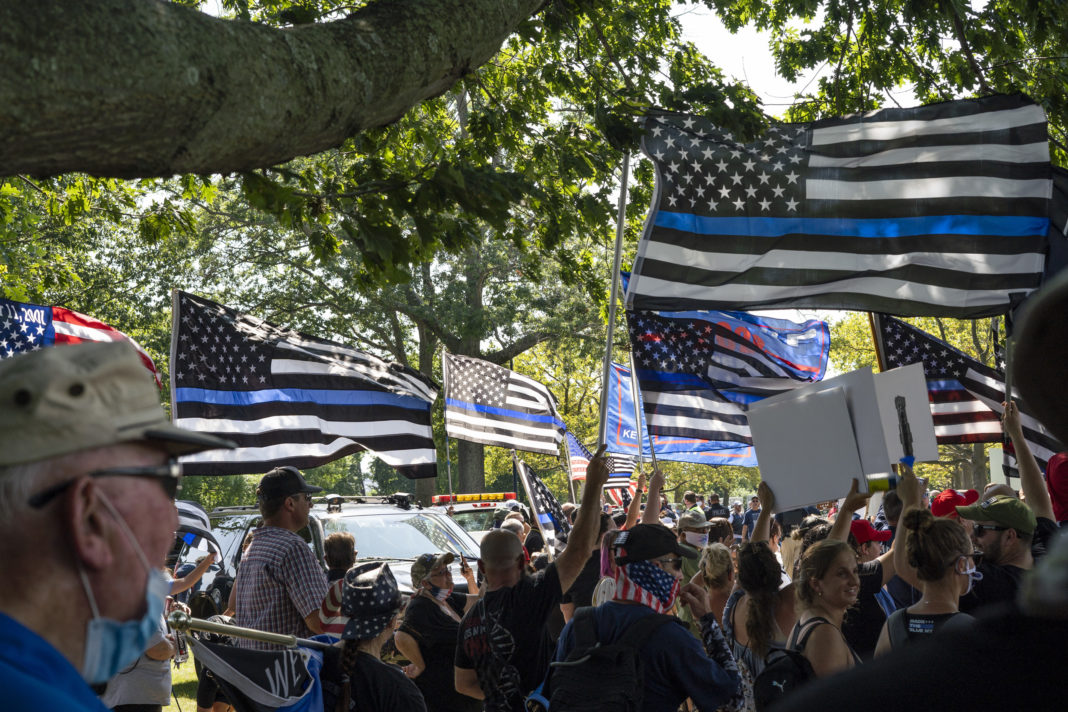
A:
(945, 564)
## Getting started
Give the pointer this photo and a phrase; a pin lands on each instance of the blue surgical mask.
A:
(110, 645)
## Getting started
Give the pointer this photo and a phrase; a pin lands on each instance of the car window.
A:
(476, 520)
(401, 535)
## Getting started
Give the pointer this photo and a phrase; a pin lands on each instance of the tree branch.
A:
(139, 88)
(958, 29)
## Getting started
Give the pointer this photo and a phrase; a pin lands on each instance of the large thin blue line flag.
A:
(287, 398)
(489, 404)
(939, 210)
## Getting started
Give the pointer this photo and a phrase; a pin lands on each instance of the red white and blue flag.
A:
(30, 327)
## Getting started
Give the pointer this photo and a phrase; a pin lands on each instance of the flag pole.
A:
(877, 339)
(636, 397)
(570, 474)
(445, 390)
(602, 434)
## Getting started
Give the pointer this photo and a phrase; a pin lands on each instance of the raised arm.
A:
(909, 489)
(583, 535)
(190, 579)
(1034, 488)
(762, 528)
(854, 500)
(652, 500)
(635, 508)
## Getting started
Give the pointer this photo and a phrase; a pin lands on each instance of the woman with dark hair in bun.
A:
(945, 563)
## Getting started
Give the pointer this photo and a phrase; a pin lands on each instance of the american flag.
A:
(29, 327)
(620, 466)
(697, 376)
(489, 404)
(965, 394)
(547, 511)
(934, 210)
(287, 398)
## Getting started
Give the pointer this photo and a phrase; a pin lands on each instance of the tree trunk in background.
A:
(132, 88)
(472, 469)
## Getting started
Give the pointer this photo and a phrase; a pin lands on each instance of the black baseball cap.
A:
(284, 482)
(647, 541)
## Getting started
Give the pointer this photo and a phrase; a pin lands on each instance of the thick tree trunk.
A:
(141, 88)
(472, 467)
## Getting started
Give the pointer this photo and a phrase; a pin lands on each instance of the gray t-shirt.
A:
(144, 682)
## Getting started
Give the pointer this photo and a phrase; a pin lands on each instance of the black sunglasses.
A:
(675, 563)
(169, 477)
(981, 529)
(977, 556)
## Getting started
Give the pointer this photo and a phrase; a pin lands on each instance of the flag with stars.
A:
(29, 327)
(486, 403)
(619, 487)
(699, 371)
(287, 398)
(965, 394)
(938, 210)
(547, 511)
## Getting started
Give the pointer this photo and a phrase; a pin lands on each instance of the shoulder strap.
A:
(897, 629)
(801, 632)
(638, 631)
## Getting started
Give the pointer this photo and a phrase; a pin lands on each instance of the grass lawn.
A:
(184, 685)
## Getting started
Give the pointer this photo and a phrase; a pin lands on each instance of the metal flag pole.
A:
(570, 474)
(636, 397)
(445, 387)
(182, 621)
(602, 434)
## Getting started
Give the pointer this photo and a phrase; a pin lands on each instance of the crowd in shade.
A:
(652, 607)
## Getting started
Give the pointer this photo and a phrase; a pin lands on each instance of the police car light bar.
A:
(478, 497)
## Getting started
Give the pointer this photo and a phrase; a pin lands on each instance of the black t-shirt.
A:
(1000, 583)
(375, 686)
(581, 592)
(864, 621)
(504, 639)
(435, 632)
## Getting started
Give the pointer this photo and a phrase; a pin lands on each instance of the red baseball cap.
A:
(863, 532)
(947, 501)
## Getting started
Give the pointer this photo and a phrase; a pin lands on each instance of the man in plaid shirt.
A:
(280, 585)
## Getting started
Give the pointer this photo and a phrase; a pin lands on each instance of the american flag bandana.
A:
(646, 583)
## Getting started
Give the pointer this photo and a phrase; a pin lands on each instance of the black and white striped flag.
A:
(547, 511)
(287, 398)
(935, 210)
(965, 395)
(489, 404)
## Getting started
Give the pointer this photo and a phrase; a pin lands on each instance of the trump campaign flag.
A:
(29, 327)
(287, 398)
(939, 210)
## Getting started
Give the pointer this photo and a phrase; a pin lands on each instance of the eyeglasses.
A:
(981, 529)
(307, 497)
(675, 563)
(169, 477)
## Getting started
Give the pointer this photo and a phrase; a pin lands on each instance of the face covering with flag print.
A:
(646, 583)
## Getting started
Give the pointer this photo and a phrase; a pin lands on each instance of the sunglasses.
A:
(675, 563)
(307, 497)
(168, 476)
(977, 556)
(981, 529)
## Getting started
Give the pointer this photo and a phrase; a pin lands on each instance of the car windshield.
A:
(477, 520)
(401, 535)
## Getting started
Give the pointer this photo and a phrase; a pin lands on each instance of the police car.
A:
(475, 512)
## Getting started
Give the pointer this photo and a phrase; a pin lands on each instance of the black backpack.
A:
(598, 676)
(785, 669)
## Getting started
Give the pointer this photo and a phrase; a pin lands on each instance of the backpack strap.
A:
(897, 629)
(585, 628)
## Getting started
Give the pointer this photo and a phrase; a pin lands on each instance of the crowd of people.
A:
(658, 608)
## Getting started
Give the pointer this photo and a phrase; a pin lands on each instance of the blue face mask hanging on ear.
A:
(110, 645)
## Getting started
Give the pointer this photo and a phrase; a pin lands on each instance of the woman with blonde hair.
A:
(945, 563)
(715, 574)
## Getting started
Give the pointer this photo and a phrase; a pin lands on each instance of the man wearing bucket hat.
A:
(369, 606)
(281, 585)
(87, 516)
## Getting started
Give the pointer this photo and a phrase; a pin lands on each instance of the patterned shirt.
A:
(278, 585)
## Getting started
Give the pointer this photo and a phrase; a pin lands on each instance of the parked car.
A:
(475, 512)
(393, 529)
